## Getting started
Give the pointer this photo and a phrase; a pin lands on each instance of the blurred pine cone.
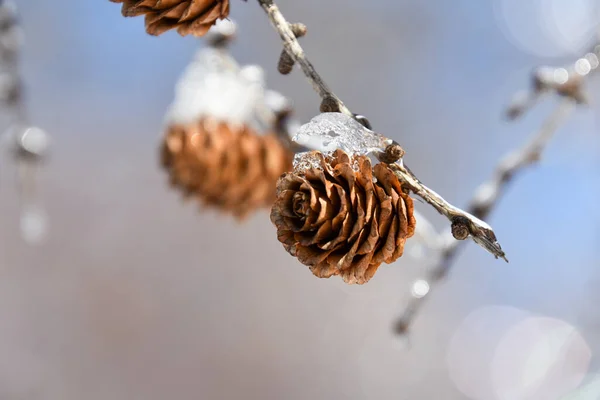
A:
(232, 169)
(336, 219)
(189, 17)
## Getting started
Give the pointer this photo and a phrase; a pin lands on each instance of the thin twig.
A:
(479, 231)
(488, 194)
(11, 96)
(566, 82)
(292, 46)
(485, 199)
(28, 144)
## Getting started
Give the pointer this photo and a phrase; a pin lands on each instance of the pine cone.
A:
(193, 17)
(232, 169)
(338, 220)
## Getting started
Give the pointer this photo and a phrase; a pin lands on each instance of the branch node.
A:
(299, 29)
(286, 61)
(329, 104)
(460, 228)
(393, 153)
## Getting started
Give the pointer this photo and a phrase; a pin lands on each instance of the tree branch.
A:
(28, 144)
(485, 199)
(11, 96)
(292, 46)
(478, 230)
(567, 83)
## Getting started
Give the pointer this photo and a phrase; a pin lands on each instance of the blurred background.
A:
(133, 294)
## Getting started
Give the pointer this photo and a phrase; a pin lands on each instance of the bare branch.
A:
(293, 48)
(485, 199)
(488, 194)
(28, 144)
(11, 86)
(478, 230)
(566, 82)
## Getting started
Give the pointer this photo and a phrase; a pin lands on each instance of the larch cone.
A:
(343, 217)
(231, 168)
(189, 17)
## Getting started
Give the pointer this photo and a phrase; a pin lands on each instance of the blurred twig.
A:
(28, 144)
(293, 48)
(567, 83)
(11, 88)
(485, 199)
(472, 226)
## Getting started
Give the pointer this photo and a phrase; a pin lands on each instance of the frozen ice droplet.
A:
(330, 131)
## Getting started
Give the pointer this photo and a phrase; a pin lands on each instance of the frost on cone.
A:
(340, 216)
(233, 169)
(189, 17)
(221, 144)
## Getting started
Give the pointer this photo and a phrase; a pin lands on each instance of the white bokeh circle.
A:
(548, 28)
(471, 349)
(504, 353)
(539, 359)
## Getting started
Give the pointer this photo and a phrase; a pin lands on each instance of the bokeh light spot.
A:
(583, 66)
(420, 288)
(539, 358)
(548, 28)
(561, 76)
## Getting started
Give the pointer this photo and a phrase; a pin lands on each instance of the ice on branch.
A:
(330, 131)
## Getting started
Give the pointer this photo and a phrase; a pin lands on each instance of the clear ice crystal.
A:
(306, 160)
(330, 131)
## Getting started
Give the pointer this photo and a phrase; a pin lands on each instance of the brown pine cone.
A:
(189, 17)
(232, 169)
(338, 220)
